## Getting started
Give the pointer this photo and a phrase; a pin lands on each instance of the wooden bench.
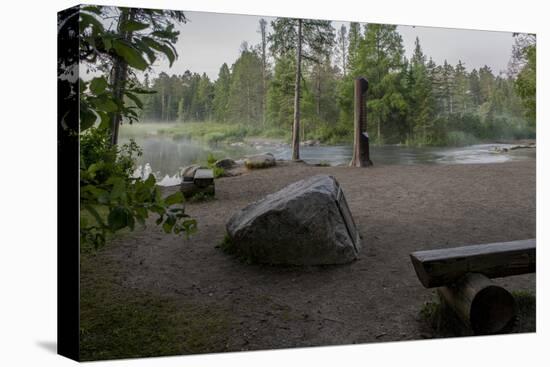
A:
(463, 273)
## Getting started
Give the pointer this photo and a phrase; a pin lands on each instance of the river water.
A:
(165, 156)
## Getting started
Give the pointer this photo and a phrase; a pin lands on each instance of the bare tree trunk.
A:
(168, 105)
(120, 74)
(318, 104)
(296, 126)
(162, 104)
(263, 24)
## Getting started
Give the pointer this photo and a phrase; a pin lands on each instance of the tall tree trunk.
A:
(264, 70)
(169, 107)
(296, 126)
(120, 70)
(119, 76)
(162, 104)
(318, 104)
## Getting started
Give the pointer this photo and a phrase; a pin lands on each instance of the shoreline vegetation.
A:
(222, 133)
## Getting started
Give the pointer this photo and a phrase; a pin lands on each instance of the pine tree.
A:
(486, 83)
(306, 38)
(462, 98)
(280, 97)
(381, 60)
(420, 97)
(475, 88)
(221, 94)
(245, 101)
(342, 49)
(205, 95)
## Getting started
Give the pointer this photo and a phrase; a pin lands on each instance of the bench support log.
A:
(481, 304)
(437, 268)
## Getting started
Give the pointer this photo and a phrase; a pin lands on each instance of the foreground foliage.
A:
(116, 200)
(116, 42)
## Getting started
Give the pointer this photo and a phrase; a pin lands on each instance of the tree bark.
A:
(264, 71)
(119, 76)
(296, 125)
(120, 70)
(361, 154)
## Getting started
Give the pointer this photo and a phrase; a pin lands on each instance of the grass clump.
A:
(228, 246)
(211, 163)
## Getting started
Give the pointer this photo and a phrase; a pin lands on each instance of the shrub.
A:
(113, 199)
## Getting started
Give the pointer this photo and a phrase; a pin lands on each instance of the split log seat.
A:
(462, 275)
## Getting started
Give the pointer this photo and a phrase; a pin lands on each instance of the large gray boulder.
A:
(306, 223)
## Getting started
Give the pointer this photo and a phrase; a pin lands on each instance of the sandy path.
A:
(398, 209)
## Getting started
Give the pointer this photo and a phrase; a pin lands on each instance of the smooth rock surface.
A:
(225, 163)
(259, 161)
(188, 172)
(305, 223)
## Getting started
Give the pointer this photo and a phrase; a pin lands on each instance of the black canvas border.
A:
(68, 193)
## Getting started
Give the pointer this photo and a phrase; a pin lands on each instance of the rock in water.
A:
(306, 223)
(225, 163)
(260, 161)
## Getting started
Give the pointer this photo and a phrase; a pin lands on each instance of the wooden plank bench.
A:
(463, 273)
(445, 266)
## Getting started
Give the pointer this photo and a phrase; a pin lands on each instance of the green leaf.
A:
(92, 9)
(169, 224)
(175, 198)
(150, 181)
(98, 85)
(118, 190)
(135, 98)
(95, 214)
(87, 118)
(161, 47)
(132, 26)
(118, 218)
(143, 47)
(132, 56)
(105, 120)
(88, 20)
(104, 103)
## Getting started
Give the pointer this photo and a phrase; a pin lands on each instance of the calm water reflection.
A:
(166, 155)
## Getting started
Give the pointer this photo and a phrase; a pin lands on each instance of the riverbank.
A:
(196, 299)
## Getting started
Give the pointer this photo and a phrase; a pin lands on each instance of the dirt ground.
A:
(397, 209)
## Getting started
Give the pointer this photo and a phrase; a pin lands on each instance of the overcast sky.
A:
(210, 39)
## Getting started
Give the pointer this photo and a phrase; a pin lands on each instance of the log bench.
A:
(462, 275)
